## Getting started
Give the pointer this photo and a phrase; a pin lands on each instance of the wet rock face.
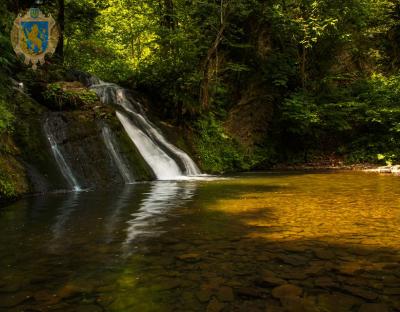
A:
(75, 118)
(85, 78)
(248, 120)
(82, 149)
(26, 164)
(79, 139)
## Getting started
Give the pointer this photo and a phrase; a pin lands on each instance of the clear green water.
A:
(221, 245)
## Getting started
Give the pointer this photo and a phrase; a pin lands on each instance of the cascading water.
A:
(111, 145)
(151, 144)
(164, 167)
(62, 164)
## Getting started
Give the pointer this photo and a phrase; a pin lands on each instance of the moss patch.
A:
(13, 179)
(69, 96)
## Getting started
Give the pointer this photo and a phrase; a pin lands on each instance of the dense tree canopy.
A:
(328, 69)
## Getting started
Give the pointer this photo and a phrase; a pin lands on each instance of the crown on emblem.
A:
(34, 12)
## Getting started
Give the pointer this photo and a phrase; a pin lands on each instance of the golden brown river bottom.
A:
(278, 241)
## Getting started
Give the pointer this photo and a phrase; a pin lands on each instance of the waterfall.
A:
(164, 167)
(111, 145)
(152, 145)
(62, 164)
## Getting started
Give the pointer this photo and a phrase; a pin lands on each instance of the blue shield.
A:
(35, 36)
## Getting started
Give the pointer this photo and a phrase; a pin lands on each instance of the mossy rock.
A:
(13, 179)
(69, 96)
(33, 148)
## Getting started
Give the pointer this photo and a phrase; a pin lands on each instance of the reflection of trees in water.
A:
(159, 199)
(63, 215)
(123, 200)
(162, 197)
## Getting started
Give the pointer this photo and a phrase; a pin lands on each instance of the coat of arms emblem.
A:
(33, 36)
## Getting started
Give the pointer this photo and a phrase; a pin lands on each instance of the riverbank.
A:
(372, 168)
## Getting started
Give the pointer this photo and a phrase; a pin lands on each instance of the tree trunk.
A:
(61, 23)
(169, 19)
(303, 67)
(204, 86)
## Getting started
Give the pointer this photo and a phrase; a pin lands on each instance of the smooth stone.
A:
(170, 284)
(351, 269)
(215, 306)
(188, 298)
(273, 308)
(247, 305)
(295, 275)
(391, 266)
(215, 282)
(293, 260)
(225, 294)
(46, 297)
(337, 302)
(287, 290)
(315, 269)
(89, 308)
(297, 304)
(12, 300)
(271, 281)
(374, 307)
(391, 291)
(190, 257)
(325, 282)
(69, 291)
(249, 292)
(10, 288)
(361, 252)
(324, 254)
(204, 295)
(391, 281)
(365, 294)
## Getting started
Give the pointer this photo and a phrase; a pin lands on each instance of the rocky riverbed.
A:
(265, 242)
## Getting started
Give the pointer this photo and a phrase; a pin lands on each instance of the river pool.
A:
(278, 241)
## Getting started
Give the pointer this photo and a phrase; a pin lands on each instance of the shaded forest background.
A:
(254, 83)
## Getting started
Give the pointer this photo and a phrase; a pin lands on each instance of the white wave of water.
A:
(163, 166)
(61, 162)
(111, 145)
(150, 142)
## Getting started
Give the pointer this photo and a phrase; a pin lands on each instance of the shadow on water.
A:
(208, 246)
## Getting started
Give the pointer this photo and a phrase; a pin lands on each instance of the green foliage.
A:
(363, 122)
(6, 61)
(316, 54)
(6, 117)
(7, 187)
(300, 114)
(319, 57)
(217, 151)
(65, 96)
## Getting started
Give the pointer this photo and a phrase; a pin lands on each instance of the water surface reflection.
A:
(64, 212)
(155, 208)
(204, 245)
